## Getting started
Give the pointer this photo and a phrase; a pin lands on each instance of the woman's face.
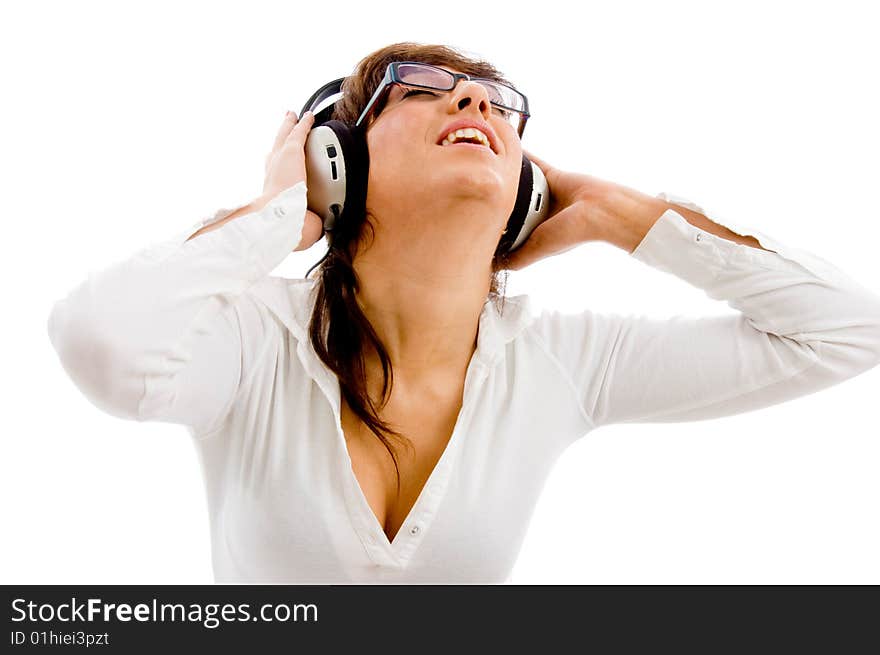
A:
(420, 191)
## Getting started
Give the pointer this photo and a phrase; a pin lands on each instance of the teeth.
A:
(466, 133)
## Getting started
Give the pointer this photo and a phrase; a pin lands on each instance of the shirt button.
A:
(280, 211)
(414, 530)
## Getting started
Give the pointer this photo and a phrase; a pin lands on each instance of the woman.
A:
(386, 421)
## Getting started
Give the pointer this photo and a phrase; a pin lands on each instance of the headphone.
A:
(337, 166)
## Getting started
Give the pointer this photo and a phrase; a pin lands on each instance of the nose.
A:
(468, 92)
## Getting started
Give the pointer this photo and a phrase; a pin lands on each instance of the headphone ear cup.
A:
(337, 169)
(530, 208)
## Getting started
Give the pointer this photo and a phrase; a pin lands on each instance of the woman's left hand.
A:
(575, 201)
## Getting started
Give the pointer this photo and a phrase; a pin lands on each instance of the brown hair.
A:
(338, 328)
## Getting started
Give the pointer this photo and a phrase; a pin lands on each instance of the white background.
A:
(123, 124)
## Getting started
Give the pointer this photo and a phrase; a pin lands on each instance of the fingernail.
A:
(309, 114)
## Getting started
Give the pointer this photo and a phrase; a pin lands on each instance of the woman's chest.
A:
(285, 492)
(427, 427)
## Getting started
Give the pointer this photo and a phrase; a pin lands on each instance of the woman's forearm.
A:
(250, 208)
(625, 215)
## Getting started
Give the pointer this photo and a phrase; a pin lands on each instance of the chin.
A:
(469, 180)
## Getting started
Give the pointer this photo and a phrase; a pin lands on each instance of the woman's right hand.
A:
(286, 167)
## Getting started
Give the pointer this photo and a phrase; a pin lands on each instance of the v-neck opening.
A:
(421, 514)
(397, 551)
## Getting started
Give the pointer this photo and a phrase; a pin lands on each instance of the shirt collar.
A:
(292, 301)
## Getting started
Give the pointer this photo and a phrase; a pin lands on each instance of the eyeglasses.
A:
(510, 104)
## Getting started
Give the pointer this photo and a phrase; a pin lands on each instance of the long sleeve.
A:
(802, 326)
(167, 334)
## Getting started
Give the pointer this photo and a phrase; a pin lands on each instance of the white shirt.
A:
(198, 333)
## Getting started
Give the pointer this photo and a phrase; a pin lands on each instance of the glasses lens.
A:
(434, 78)
(504, 100)
(504, 96)
(507, 102)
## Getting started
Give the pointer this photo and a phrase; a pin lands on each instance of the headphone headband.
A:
(322, 99)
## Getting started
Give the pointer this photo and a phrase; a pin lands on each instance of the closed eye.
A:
(414, 91)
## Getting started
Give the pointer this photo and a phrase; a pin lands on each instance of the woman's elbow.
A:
(101, 371)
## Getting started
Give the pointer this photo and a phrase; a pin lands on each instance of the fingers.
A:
(289, 128)
(301, 129)
(287, 125)
(544, 166)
